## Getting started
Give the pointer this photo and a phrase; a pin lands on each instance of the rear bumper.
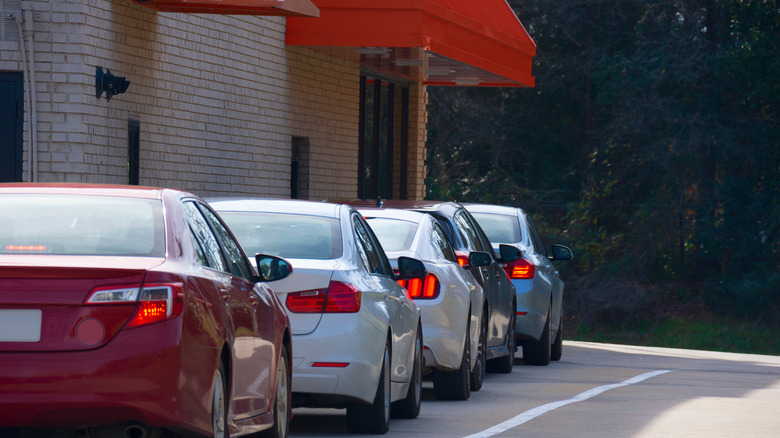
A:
(534, 304)
(345, 339)
(136, 377)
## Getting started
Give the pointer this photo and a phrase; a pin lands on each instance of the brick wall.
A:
(218, 99)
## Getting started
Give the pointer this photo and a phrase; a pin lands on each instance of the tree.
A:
(655, 123)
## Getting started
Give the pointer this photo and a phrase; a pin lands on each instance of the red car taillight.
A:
(520, 269)
(337, 298)
(156, 302)
(422, 289)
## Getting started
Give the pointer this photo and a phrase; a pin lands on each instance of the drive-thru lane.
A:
(599, 390)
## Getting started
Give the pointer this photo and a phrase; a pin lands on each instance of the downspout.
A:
(28, 21)
(26, 17)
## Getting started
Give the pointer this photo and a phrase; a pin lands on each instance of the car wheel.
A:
(219, 405)
(505, 364)
(282, 405)
(539, 352)
(410, 406)
(373, 418)
(478, 373)
(557, 346)
(455, 385)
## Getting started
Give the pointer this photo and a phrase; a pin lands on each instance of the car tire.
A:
(539, 352)
(505, 364)
(219, 405)
(455, 385)
(557, 346)
(478, 373)
(373, 418)
(282, 406)
(409, 407)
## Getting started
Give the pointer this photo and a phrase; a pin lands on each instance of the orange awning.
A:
(436, 42)
(299, 8)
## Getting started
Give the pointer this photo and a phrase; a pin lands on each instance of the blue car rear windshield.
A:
(81, 225)
(286, 235)
(499, 228)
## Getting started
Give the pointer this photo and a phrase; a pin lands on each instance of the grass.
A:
(704, 333)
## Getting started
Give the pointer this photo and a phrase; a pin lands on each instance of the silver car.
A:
(357, 337)
(450, 299)
(539, 288)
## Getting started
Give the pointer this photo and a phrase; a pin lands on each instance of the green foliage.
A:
(651, 143)
(713, 334)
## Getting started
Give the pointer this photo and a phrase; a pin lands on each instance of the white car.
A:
(539, 288)
(357, 338)
(450, 299)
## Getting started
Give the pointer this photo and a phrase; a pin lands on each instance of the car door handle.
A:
(224, 294)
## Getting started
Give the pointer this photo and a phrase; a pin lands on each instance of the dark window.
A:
(377, 139)
(299, 168)
(11, 126)
(133, 151)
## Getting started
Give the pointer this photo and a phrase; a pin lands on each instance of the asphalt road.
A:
(599, 390)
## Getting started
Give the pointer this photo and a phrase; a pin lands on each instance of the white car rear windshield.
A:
(393, 234)
(499, 228)
(292, 236)
(81, 225)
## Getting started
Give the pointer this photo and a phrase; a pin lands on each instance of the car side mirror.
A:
(411, 268)
(271, 268)
(509, 253)
(479, 258)
(560, 252)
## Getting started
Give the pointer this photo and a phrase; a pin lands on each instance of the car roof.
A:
(409, 215)
(86, 189)
(274, 205)
(495, 209)
(446, 207)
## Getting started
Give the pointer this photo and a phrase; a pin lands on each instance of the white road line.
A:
(535, 412)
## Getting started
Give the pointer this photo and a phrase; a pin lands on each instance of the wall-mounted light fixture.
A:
(105, 81)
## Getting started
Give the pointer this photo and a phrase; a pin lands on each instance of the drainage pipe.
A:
(19, 19)
(28, 22)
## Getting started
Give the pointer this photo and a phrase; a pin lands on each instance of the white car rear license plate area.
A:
(20, 325)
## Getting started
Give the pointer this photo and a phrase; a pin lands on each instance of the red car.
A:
(132, 312)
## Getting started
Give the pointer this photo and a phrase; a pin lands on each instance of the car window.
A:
(293, 236)
(467, 231)
(371, 253)
(483, 239)
(441, 244)
(499, 228)
(81, 225)
(393, 234)
(535, 239)
(238, 262)
(204, 237)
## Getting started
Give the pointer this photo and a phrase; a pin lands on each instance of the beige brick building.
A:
(221, 104)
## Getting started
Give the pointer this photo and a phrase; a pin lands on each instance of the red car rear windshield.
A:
(81, 225)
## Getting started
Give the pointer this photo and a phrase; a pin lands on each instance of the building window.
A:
(11, 126)
(380, 120)
(299, 168)
(133, 151)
